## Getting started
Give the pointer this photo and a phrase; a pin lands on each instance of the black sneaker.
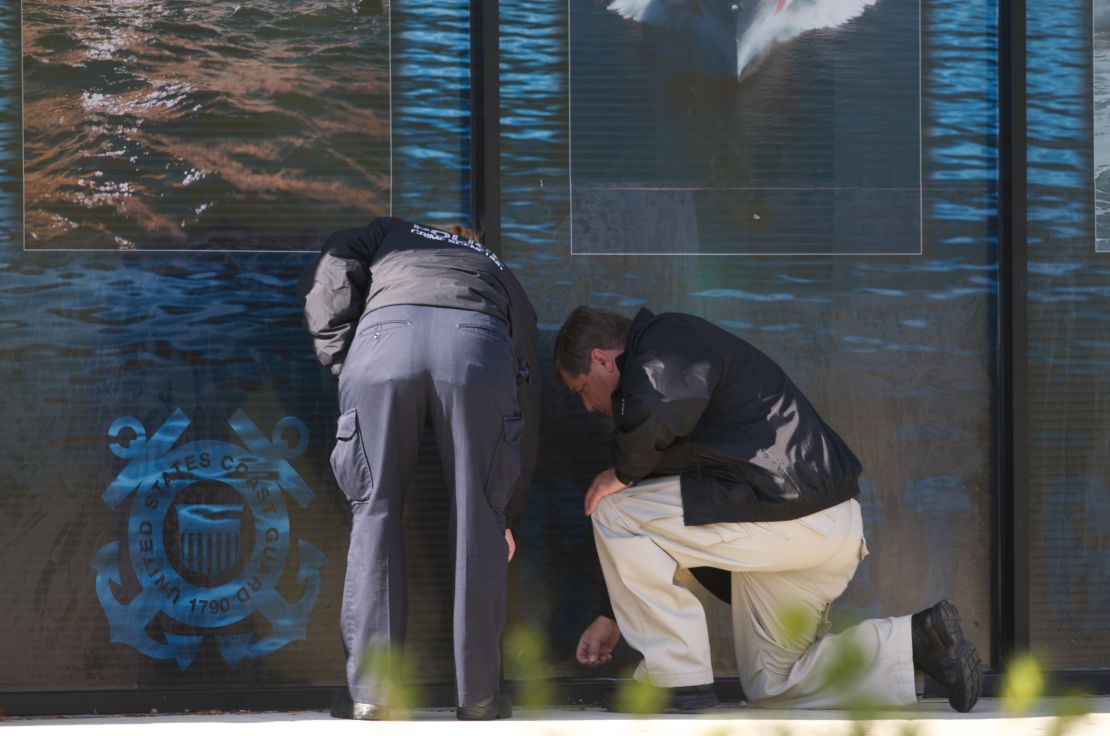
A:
(690, 699)
(491, 709)
(940, 650)
(341, 705)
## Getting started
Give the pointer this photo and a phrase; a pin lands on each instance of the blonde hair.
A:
(461, 230)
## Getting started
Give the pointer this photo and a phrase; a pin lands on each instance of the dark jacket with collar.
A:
(696, 401)
(391, 262)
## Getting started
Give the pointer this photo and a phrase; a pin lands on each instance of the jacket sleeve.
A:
(336, 295)
(522, 326)
(665, 389)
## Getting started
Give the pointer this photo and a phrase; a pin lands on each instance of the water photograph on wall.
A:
(745, 126)
(253, 125)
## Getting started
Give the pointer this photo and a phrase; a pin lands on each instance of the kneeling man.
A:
(720, 461)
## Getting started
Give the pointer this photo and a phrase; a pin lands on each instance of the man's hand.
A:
(511, 542)
(605, 484)
(595, 646)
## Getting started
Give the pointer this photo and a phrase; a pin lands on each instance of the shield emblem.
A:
(208, 537)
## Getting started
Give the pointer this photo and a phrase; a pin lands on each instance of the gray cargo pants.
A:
(408, 364)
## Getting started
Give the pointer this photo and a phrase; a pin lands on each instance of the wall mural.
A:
(253, 125)
(169, 170)
(93, 336)
(758, 127)
(100, 349)
(208, 540)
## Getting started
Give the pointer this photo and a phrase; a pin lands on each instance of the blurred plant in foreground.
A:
(527, 659)
(389, 669)
(1023, 685)
(636, 696)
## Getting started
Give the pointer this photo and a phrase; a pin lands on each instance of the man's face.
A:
(596, 386)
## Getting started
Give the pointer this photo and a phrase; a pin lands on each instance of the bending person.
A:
(422, 324)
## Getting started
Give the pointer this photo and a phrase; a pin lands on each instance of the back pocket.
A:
(348, 459)
(493, 331)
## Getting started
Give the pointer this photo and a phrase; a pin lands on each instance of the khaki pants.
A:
(785, 575)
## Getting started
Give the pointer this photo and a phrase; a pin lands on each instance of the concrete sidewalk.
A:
(931, 718)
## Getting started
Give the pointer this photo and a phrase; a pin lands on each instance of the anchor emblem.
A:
(208, 539)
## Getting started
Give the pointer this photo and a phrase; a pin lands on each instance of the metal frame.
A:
(1011, 604)
(485, 122)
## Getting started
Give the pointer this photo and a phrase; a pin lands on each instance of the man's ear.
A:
(599, 356)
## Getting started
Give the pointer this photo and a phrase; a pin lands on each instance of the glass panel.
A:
(1069, 311)
(895, 351)
(170, 519)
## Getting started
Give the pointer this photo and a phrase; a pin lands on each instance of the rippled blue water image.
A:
(203, 125)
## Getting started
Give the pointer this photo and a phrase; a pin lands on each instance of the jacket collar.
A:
(639, 322)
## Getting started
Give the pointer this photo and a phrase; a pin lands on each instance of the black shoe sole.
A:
(964, 698)
(676, 704)
(693, 703)
(692, 707)
(964, 691)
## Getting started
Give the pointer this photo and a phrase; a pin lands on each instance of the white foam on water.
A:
(757, 25)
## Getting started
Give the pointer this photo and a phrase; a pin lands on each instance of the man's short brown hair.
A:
(585, 329)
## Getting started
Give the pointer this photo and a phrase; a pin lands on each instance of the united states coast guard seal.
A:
(208, 539)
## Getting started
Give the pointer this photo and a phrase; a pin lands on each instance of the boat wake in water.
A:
(731, 36)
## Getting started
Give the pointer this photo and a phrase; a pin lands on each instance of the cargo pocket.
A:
(506, 464)
(348, 459)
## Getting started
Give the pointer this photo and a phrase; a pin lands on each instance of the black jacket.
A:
(392, 262)
(696, 401)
